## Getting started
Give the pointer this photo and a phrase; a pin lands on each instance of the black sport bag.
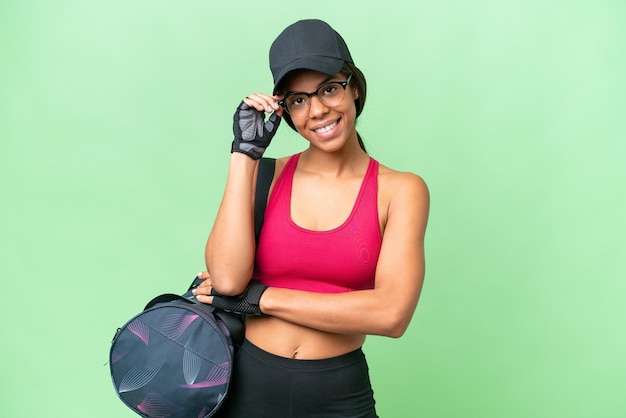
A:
(175, 358)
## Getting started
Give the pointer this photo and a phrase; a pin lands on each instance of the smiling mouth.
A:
(326, 128)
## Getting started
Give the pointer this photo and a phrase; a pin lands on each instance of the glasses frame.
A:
(343, 84)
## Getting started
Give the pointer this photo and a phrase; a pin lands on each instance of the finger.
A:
(204, 299)
(253, 104)
(260, 106)
(262, 102)
(203, 289)
(262, 98)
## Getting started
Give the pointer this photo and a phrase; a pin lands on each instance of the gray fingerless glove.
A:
(252, 133)
(247, 303)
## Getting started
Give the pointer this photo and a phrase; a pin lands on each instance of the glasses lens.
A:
(297, 104)
(330, 94)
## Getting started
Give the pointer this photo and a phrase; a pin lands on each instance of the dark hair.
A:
(358, 80)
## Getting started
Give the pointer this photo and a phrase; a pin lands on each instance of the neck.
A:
(349, 158)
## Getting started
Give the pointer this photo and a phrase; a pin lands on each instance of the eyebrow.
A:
(326, 80)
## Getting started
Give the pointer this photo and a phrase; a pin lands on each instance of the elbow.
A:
(395, 331)
(228, 282)
(229, 287)
(396, 324)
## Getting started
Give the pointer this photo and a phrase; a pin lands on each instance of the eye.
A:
(330, 89)
(296, 100)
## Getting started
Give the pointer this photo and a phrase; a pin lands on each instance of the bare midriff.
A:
(286, 339)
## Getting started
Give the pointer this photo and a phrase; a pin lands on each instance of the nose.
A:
(317, 108)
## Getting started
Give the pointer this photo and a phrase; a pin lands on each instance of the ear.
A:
(355, 92)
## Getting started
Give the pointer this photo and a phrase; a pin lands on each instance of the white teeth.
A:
(326, 128)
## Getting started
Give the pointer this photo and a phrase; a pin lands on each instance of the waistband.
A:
(300, 364)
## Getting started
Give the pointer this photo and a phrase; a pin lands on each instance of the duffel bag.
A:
(175, 358)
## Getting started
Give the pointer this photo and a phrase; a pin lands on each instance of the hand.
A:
(247, 303)
(252, 133)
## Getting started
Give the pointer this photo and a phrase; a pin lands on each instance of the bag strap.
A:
(264, 179)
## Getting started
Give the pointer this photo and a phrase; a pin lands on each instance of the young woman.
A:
(341, 252)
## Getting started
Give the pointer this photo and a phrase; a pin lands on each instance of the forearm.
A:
(230, 248)
(357, 312)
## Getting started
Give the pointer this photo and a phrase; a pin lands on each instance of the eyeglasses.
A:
(329, 94)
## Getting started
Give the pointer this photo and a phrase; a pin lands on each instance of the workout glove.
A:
(247, 303)
(252, 133)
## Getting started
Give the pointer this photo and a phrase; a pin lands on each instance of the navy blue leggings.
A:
(268, 386)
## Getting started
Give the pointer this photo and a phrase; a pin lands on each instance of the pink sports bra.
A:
(338, 260)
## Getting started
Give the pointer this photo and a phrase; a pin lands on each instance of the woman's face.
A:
(326, 127)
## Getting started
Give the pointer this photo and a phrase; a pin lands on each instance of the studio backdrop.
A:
(115, 132)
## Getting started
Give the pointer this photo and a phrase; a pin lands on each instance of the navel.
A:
(295, 353)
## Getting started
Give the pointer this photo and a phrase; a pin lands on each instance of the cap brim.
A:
(324, 65)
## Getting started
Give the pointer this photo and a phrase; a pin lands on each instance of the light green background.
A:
(115, 128)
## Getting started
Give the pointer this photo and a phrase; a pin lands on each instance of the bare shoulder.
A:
(401, 184)
(404, 202)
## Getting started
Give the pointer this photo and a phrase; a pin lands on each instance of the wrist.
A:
(243, 159)
(241, 166)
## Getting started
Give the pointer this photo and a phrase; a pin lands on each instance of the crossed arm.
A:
(385, 310)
